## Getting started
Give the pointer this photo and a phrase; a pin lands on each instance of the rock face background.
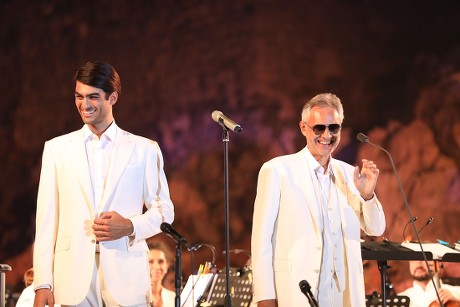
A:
(395, 66)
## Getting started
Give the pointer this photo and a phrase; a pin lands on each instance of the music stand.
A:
(375, 300)
(388, 251)
(240, 289)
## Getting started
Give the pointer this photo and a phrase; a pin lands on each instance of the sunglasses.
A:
(319, 129)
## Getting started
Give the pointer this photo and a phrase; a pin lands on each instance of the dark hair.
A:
(100, 75)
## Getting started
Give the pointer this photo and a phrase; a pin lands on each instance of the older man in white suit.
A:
(308, 213)
(102, 192)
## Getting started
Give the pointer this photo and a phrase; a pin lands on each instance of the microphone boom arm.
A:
(364, 139)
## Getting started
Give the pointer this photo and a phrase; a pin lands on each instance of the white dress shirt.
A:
(99, 152)
(332, 276)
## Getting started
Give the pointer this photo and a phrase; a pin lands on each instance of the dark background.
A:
(395, 65)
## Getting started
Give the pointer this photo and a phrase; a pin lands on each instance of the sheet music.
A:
(194, 289)
(438, 250)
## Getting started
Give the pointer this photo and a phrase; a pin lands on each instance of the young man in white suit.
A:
(308, 213)
(102, 192)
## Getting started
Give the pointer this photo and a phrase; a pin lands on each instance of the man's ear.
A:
(303, 127)
(113, 98)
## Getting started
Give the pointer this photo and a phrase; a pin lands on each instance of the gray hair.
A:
(323, 100)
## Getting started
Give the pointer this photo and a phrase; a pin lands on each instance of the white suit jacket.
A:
(64, 250)
(286, 239)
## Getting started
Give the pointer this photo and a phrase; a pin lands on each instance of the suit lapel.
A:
(122, 151)
(308, 188)
(76, 152)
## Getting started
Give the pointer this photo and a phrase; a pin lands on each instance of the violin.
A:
(437, 281)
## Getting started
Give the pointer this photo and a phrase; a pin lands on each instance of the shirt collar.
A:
(315, 164)
(110, 133)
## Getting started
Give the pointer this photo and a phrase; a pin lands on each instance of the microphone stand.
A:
(225, 140)
(364, 139)
(3, 269)
(226, 124)
(177, 273)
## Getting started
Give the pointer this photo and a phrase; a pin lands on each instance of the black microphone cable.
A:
(197, 246)
(428, 222)
(404, 230)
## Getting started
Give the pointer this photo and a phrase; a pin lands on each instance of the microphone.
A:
(365, 139)
(428, 222)
(404, 230)
(225, 122)
(362, 138)
(170, 231)
(306, 289)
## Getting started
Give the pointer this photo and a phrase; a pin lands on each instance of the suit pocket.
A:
(282, 265)
(62, 244)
